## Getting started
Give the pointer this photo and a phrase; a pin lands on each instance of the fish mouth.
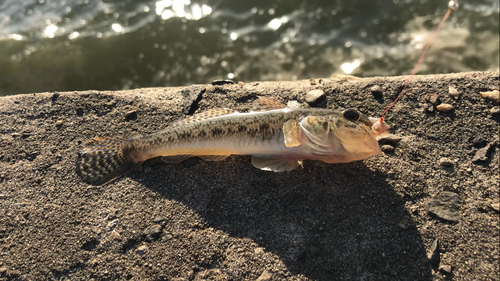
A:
(379, 128)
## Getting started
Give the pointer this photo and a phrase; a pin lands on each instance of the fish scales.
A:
(237, 133)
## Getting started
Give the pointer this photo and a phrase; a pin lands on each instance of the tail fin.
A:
(104, 159)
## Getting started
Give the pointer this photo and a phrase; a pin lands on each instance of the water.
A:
(62, 45)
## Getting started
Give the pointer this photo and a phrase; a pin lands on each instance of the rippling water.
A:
(59, 45)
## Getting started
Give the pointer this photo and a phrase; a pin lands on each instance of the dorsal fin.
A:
(264, 103)
(211, 113)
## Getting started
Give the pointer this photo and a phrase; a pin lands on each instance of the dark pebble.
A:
(219, 82)
(131, 115)
(446, 206)
(387, 149)
(390, 139)
(479, 142)
(153, 232)
(79, 112)
(405, 223)
(54, 97)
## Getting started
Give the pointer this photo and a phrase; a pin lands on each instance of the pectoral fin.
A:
(274, 163)
(214, 157)
(291, 133)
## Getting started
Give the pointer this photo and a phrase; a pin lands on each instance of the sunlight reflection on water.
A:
(118, 44)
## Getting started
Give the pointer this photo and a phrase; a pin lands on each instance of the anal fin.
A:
(213, 157)
(174, 159)
(275, 163)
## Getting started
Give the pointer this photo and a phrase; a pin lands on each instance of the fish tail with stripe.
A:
(104, 159)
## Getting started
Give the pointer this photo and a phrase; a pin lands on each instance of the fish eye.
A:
(352, 114)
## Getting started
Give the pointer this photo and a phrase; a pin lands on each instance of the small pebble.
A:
(453, 92)
(293, 104)
(59, 122)
(481, 154)
(377, 91)
(54, 97)
(265, 276)
(434, 254)
(259, 250)
(491, 95)
(158, 219)
(153, 232)
(445, 269)
(391, 139)
(495, 206)
(432, 99)
(142, 250)
(3, 269)
(241, 83)
(495, 110)
(112, 224)
(445, 162)
(387, 149)
(444, 107)
(315, 96)
(446, 206)
(405, 223)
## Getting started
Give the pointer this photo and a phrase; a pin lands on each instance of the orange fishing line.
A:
(452, 5)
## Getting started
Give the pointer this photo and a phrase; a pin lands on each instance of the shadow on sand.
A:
(327, 222)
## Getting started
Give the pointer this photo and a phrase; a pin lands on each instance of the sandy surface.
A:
(227, 220)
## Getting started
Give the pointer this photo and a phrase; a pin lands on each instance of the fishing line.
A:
(452, 6)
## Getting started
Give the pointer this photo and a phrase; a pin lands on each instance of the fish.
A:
(277, 138)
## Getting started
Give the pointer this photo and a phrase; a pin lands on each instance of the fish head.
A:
(343, 137)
